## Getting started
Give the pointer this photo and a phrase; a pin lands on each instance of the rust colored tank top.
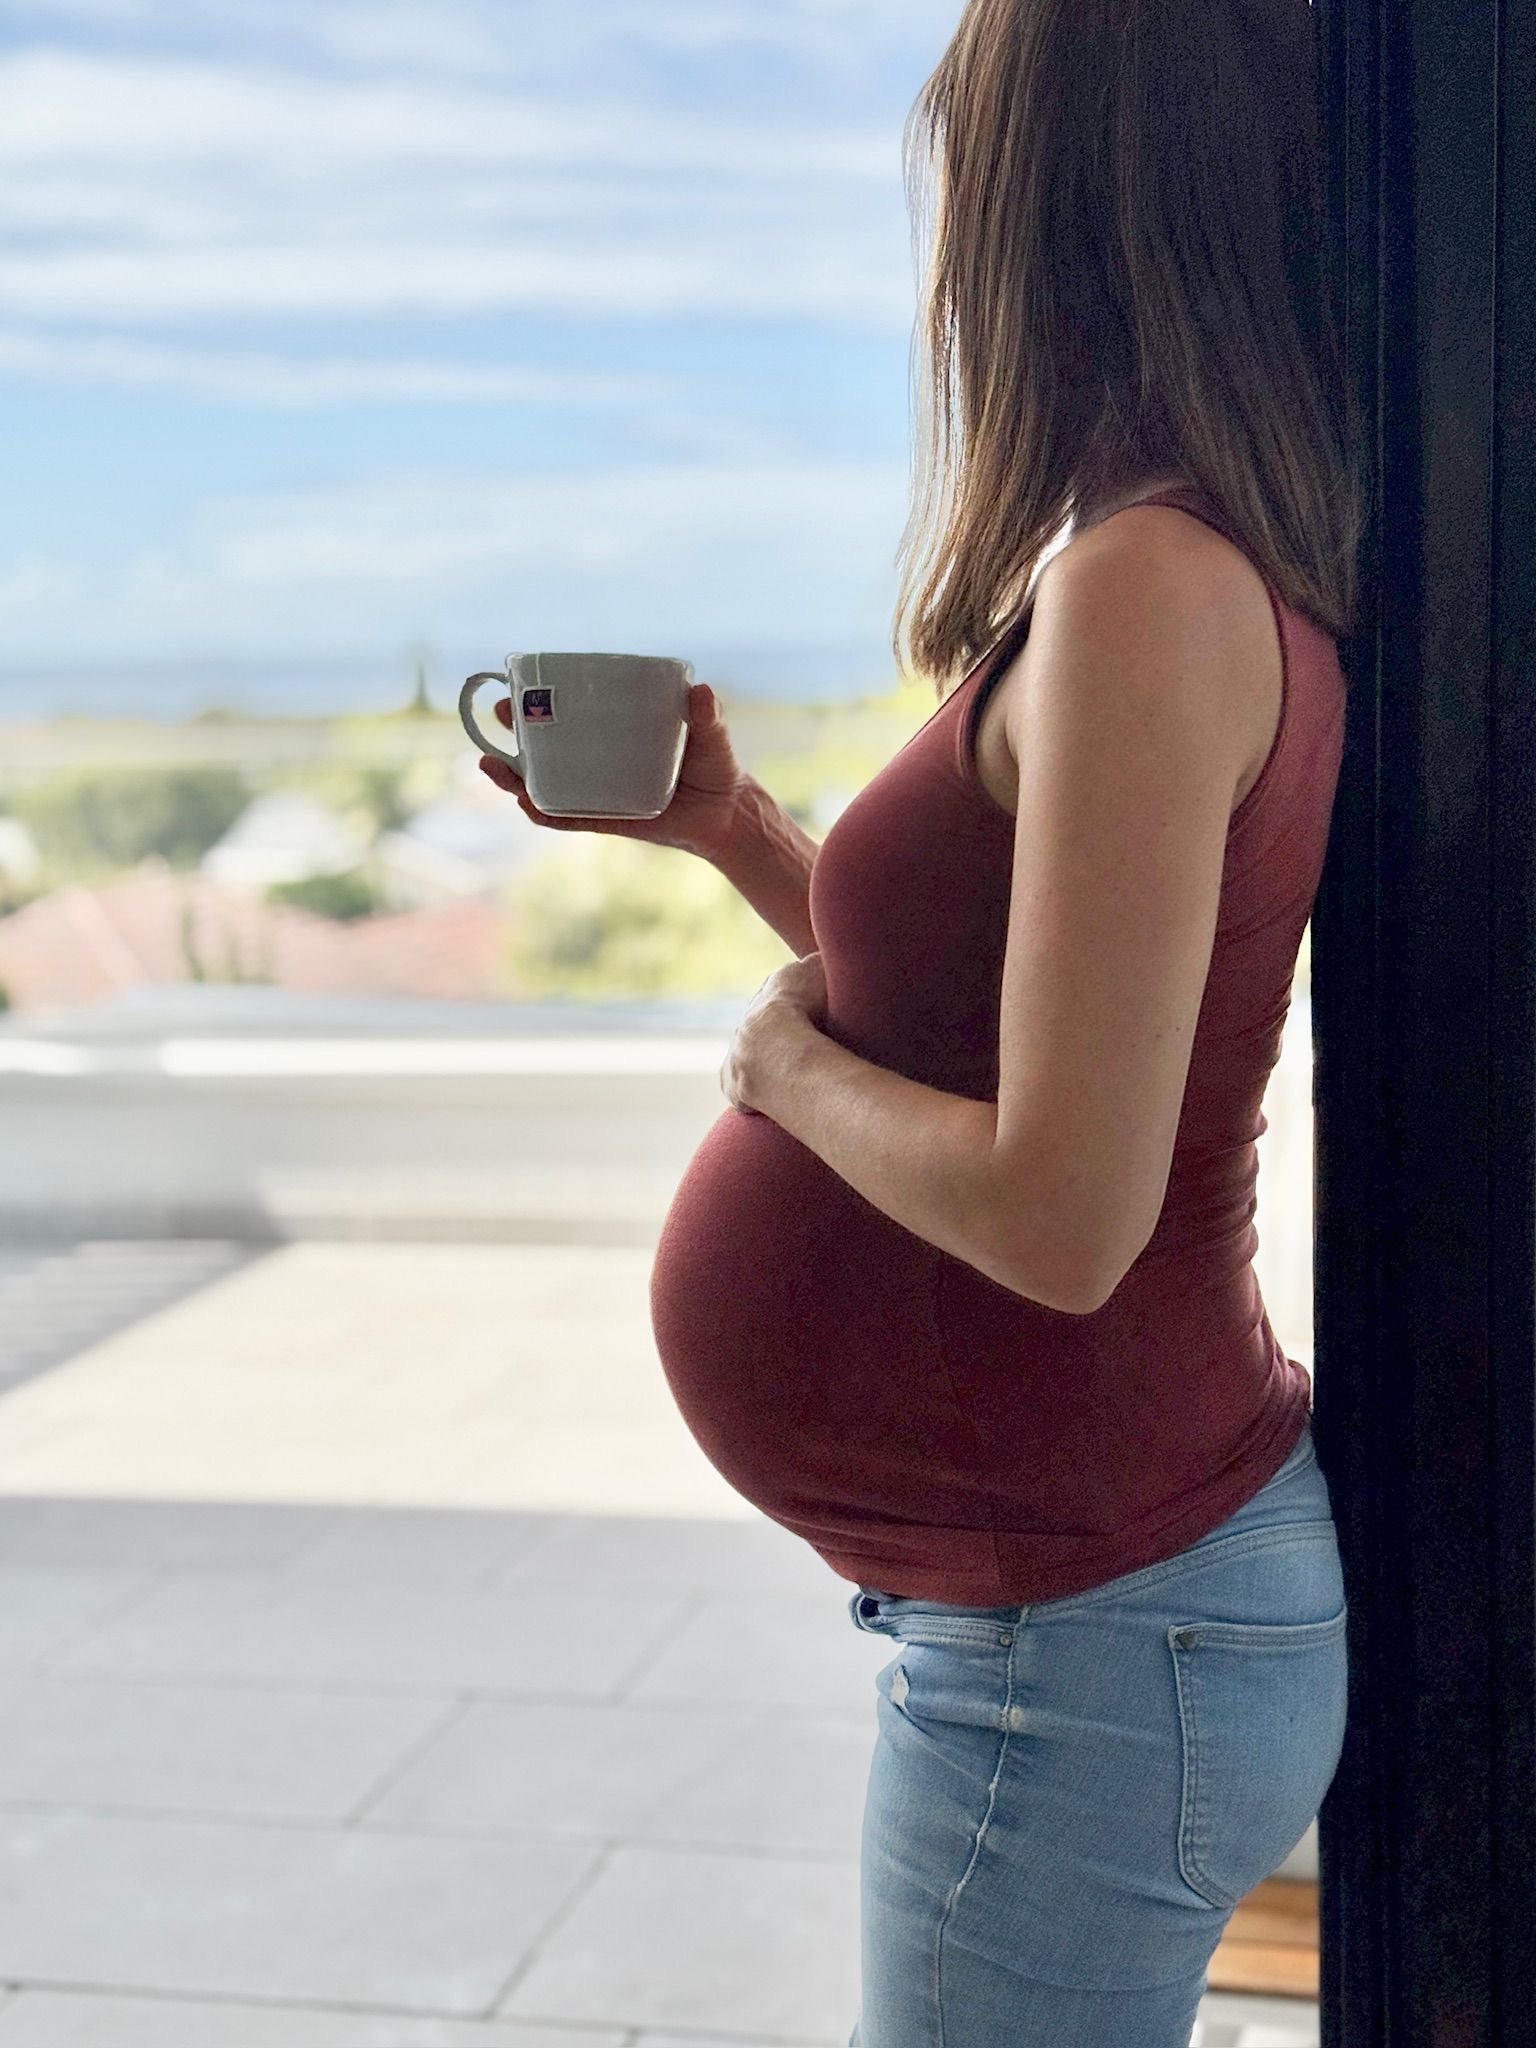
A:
(926, 1430)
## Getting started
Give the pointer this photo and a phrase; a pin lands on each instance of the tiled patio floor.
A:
(383, 1666)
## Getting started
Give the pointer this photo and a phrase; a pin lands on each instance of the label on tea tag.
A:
(539, 704)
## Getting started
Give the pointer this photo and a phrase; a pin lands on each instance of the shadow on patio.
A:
(385, 1667)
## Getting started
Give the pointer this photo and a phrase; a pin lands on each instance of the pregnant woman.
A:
(959, 1286)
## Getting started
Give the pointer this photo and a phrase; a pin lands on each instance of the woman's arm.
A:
(768, 857)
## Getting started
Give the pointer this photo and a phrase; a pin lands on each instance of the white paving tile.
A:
(56, 1301)
(646, 2038)
(220, 1910)
(760, 1945)
(665, 1551)
(800, 1655)
(155, 1534)
(44, 1607)
(790, 1787)
(67, 2019)
(365, 1487)
(265, 1752)
(1232, 2020)
(466, 1543)
(612, 1772)
(456, 1375)
(412, 1630)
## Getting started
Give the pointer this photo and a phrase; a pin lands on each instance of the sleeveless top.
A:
(929, 1432)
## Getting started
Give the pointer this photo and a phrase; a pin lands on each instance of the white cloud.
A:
(159, 190)
(38, 592)
(246, 378)
(58, 106)
(453, 39)
(818, 32)
(828, 33)
(420, 528)
(279, 203)
(476, 38)
(271, 279)
(731, 549)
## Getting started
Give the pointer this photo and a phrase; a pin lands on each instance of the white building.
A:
(284, 836)
(457, 846)
(18, 851)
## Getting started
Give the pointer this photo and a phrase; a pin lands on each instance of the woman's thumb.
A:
(707, 706)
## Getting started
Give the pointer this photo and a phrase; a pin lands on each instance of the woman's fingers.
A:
(504, 710)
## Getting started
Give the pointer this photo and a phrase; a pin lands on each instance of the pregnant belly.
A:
(795, 1323)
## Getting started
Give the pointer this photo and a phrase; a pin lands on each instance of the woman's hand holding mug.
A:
(704, 806)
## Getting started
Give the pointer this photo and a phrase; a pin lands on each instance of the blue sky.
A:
(328, 330)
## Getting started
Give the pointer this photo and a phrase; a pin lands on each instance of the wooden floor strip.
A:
(1271, 1943)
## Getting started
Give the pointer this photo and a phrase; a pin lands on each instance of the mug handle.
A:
(467, 717)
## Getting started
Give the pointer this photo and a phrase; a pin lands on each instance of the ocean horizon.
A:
(178, 688)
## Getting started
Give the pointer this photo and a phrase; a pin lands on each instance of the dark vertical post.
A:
(1425, 1038)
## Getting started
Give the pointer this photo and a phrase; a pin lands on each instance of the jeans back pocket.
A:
(1262, 1708)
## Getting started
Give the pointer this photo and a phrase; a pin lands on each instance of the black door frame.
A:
(1424, 1034)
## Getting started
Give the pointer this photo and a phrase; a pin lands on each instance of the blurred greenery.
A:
(90, 822)
(383, 794)
(609, 916)
(375, 796)
(596, 916)
(602, 916)
(16, 891)
(344, 896)
(215, 954)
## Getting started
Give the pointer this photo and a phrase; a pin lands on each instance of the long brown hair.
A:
(1126, 280)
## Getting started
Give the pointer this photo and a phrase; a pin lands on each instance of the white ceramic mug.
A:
(597, 735)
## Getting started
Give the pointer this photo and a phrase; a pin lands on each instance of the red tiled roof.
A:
(80, 944)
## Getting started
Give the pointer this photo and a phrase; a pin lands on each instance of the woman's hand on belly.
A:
(792, 1001)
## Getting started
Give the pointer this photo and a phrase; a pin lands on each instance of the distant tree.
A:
(607, 917)
(421, 701)
(196, 971)
(88, 819)
(343, 896)
(383, 794)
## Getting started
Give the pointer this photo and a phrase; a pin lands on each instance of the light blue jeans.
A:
(1068, 1799)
